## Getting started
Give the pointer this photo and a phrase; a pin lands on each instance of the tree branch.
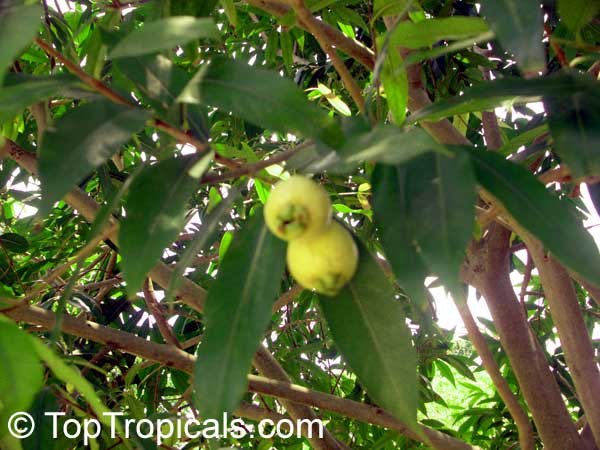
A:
(172, 356)
(487, 269)
(526, 437)
(97, 85)
(568, 318)
(188, 292)
(334, 36)
(313, 27)
(156, 311)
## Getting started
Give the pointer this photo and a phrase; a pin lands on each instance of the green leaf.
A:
(157, 78)
(488, 95)
(368, 326)
(14, 242)
(524, 138)
(418, 56)
(42, 439)
(165, 34)
(385, 143)
(389, 7)
(518, 25)
(551, 220)
(21, 373)
(574, 122)
(428, 32)
(442, 199)
(205, 235)
(18, 27)
(16, 97)
(238, 310)
(155, 214)
(260, 97)
(185, 7)
(69, 375)
(81, 140)
(426, 215)
(230, 11)
(395, 84)
(391, 210)
(577, 13)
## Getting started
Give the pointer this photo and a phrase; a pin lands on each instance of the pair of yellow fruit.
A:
(321, 253)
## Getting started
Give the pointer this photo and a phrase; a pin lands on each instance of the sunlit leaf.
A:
(260, 97)
(542, 214)
(368, 326)
(165, 34)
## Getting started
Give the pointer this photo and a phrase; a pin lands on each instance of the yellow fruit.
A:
(297, 207)
(324, 262)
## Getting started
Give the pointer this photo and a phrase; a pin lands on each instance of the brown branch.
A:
(156, 311)
(265, 364)
(188, 292)
(312, 25)
(287, 297)
(97, 85)
(349, 46)
(487, 269)
(526, 436)
(251, 169)
(491, 130)
(171, 356)
(568, 318)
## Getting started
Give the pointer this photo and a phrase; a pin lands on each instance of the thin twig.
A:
(156, 311)
(312, 24)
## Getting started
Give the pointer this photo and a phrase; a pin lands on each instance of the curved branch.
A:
(334, 36)
(172, 356)
(488, 270)
(526, 437)
(188, 292)
(572, 332)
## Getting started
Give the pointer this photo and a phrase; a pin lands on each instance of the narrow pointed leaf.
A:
(80, 141)
(387, 144)
(238, 310)
(488, 95)
(157, 78)
(577, 13)
(442, 198)
(395, 83)
(391, 209)
(165, 34)
(16, 97)
(260, 97)
(518, 25)
(425, 212)
(155, 214)
(574, 122)
(207, 231)
(13, 242)
(21, 373)
(368, 326)
(545, 216)
(18, 26)
(428, 32)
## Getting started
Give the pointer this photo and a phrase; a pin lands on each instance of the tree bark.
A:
(572, 332)
(487, 269)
